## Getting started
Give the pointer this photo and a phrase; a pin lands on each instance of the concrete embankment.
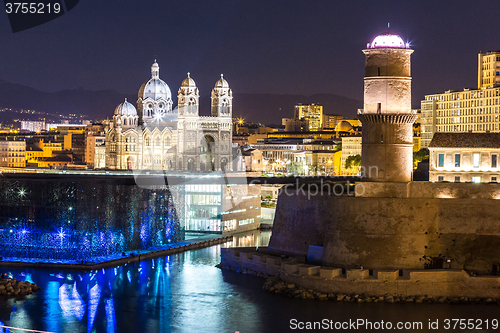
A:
(125, 258)
(446, 284)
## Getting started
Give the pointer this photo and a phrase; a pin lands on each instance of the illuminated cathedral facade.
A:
(155, 136)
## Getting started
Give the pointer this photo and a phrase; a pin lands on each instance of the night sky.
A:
(277, 47)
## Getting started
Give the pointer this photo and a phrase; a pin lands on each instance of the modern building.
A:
(216, 208)
(311, 113)
(330, 121)
(12, 153)
(33, 126)
(65, 127)
(470, 110)
(156, 137)
(488, 69)
(464, 157)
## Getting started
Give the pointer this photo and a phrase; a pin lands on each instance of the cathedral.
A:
(154, 136)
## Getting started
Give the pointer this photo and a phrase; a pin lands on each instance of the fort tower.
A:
(387, 117)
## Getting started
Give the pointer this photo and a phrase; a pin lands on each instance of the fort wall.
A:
(431, 283)
(395, 226)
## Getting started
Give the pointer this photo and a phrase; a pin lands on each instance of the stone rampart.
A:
(411, 230)
(430, 283)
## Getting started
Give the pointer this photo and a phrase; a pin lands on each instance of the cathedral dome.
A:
(388, 40)
(155, 87)
(222, 83)
(125, 109)
(188, 82)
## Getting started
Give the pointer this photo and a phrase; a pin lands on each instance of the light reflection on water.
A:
(180, 293)
(186, 293)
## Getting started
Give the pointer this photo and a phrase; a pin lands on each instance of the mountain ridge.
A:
(264, 108)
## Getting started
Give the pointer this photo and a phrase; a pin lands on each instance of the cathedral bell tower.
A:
(188, 97)
(387, 118)
(222, 99)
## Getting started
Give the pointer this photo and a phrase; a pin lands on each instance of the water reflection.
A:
(173, 293)
(186, 293)
(253, 238)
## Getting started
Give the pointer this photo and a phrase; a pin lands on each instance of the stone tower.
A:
(222, 99)
(387, 118)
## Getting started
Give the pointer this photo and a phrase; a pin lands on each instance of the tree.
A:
(295, 168)
(353, 161)
(419, 156)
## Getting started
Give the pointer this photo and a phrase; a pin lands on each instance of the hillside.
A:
(264, 108)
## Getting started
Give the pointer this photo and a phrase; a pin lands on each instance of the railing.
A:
(11, 329)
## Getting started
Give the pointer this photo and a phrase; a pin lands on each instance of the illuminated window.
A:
(440, 160)
(247, 221)
(475, 160)
(457, 161)
(476, 179)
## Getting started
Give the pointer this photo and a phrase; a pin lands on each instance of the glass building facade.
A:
(203, 207)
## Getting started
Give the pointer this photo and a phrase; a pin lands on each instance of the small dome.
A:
(188, 82)
(388, 40)
(344, 126)
(155, 87)
(125, 109)
(222, 83)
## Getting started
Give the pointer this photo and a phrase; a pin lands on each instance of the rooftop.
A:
(465, 140)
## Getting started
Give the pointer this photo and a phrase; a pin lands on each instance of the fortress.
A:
(393, 235)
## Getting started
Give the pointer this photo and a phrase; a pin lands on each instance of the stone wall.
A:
(428, 190)
(393, 94)
(299, 222)
(394, 232)
(387, 62)
(387, 147)
(431, 283)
